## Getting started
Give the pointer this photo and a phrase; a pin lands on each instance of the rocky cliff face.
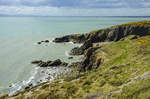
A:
(114, 33)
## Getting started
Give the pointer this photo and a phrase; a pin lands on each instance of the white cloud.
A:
(67, 11)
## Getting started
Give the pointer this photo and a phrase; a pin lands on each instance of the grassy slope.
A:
(115, 78)
(124, 74)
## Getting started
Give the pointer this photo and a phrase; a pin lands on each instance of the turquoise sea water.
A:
(19, 35)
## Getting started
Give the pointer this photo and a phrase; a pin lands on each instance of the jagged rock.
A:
(88, 61)
(80, 50)
(49, 63)
(55, 63)
(76, 51)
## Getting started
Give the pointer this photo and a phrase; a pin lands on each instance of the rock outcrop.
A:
(75, 38)
(49, 63)
(114, 33)
(80, 50)
(89, 61)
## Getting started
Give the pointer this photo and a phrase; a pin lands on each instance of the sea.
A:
(18, 46)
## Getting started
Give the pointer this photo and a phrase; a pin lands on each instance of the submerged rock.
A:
(46, 41)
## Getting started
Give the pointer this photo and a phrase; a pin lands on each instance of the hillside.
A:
(116, 65)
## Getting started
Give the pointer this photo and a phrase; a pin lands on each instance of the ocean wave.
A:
(67, 53)
(39, 75)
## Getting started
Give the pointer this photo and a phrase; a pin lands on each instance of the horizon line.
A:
(1, 15)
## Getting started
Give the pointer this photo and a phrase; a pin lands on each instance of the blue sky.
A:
(76, 7)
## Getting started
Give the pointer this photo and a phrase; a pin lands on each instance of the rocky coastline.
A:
(94, 49)
(112, 34)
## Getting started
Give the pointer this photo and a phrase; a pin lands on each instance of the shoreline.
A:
(91, 59)
(20, 86)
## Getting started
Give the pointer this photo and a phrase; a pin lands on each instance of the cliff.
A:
(115, 64)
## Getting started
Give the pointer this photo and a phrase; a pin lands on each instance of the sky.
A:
(75, 7)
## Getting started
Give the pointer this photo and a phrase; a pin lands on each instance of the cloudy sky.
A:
(75, 7)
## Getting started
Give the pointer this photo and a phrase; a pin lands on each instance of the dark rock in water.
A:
(49, 63)
(38, 42)
(55, 63)
(76, 51)
(36, 62)
(46, 41)
(62, 39)
(70, 57)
